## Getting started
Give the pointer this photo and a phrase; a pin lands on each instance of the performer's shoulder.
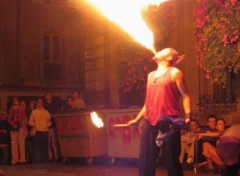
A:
(176, 73)
(175, 70)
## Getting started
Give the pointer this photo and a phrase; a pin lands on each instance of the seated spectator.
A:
(188, 142)
(78, 102)
(228, 149)
(220, 128)
(4, 157)
(209, 151)
(211, 127)
(211, 123)
(68, 104)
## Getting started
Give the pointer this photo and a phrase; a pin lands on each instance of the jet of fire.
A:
(127, 15)
(97, 121)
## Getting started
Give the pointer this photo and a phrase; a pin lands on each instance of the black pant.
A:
(4, 155)
(149, 150)
(40, 144)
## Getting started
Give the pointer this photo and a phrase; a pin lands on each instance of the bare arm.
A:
(138, 117)
(210, 134)
(182, 87)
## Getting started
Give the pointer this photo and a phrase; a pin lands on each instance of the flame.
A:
(127, 15)
(97, 121)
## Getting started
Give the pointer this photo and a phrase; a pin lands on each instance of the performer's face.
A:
(161, 55)
(166, 54)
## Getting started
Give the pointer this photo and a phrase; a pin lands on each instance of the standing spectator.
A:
(23, 107)
(78, 102)
(68, 104)
(3, 139)
(30, 108)
(16, 118)
(165, 85)
(52, 106)
(40, 120)
(29, 143)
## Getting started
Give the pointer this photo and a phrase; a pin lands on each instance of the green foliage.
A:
(218, 41)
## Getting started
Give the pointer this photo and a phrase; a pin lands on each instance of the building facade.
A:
(41, 48)
(61, 45)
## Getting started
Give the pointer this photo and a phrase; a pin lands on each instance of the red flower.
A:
(218, 24)
(233, 2)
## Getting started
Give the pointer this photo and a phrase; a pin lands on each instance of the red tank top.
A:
(162, 97)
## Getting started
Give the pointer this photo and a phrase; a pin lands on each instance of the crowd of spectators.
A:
(200, 149)
(28, 135)
(27, 130)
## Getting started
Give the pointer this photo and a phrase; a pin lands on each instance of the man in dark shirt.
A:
(211, 122)
(52, 106)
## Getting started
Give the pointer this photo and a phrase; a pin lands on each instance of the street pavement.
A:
(120, 168)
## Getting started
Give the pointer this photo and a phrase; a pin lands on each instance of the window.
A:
(216, 98)
(53, 68)
(51, 48)
(53, 71)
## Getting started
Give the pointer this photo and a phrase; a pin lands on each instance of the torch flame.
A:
(97, 121)
(127, 15)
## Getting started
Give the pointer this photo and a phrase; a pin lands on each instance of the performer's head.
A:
(168, 54)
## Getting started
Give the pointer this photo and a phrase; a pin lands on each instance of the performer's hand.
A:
(129, 123)
(132, 122)
(187, 120)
